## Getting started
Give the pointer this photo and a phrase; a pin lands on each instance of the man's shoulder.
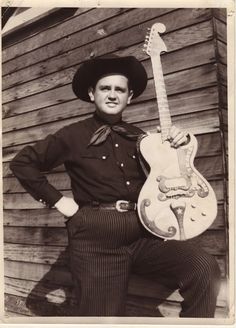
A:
(76, 127)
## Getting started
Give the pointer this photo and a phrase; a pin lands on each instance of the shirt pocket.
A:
(94, 153)
(96, 163)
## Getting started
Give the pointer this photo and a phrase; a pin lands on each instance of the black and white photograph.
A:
(116, 201)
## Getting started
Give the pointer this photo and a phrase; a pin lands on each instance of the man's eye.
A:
(105, 88)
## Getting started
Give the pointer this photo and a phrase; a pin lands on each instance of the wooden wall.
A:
(38, 66)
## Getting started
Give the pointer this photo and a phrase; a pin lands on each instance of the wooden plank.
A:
(209, 144)
(97, 24)
(196, 55)
(58, 275)
(188, 80)
(42, 254)
(199, 100)
(36, 236)
(127, 38)
(10, 314)
(210, 167)
(220, 13)
(222, 69)
(83, 19)
(212, 240)
(57, 15)
(224, 113)
(223, 96)
(220, 30)
(196, 124)
(222, 52)
(43, 217)
(52, 218)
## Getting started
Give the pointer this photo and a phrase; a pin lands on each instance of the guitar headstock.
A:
(154, 45)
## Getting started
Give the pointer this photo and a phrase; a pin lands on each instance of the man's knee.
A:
(204, 268)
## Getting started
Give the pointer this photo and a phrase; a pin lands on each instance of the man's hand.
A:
(67, 206)
(177, 137)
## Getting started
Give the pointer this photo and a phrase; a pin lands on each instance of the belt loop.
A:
(95, 204)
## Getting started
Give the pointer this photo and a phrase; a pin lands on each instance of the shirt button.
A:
(40, 200)
(122, 164)
(128, 183)
(134, 156)
(116, 145)
(104, 157)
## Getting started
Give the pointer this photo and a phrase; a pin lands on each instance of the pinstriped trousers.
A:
(106, 246)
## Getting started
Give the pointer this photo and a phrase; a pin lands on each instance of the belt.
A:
(119, 205)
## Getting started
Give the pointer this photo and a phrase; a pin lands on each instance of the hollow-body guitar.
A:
(176, 201)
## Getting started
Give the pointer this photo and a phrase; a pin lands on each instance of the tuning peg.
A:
(149, 28)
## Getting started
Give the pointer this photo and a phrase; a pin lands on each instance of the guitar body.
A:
(175, 202)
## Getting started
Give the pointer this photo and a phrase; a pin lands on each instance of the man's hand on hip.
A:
(67, 206)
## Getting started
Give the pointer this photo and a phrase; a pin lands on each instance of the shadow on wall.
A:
(53, 294)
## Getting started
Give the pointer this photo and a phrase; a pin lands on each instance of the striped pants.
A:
(107, 246)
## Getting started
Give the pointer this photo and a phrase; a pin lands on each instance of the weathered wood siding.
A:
(38, 66)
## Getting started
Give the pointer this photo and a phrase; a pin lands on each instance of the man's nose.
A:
(112, 94)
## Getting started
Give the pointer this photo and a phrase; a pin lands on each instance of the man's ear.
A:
(90, 93)
(131, 93)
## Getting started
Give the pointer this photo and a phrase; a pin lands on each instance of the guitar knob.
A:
(203, 214)
(193, 206)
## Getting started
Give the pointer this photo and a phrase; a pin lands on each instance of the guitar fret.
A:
(164, 114)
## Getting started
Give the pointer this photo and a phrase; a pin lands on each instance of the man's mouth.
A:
(111, 104)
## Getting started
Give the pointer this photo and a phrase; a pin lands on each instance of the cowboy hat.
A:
(92, 70)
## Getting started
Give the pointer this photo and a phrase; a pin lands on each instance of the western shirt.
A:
(104, 173)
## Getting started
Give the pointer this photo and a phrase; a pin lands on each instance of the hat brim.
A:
(92, 70)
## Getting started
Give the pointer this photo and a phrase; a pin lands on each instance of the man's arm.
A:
(30, 163)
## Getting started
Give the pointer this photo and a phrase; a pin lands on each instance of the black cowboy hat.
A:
(92, 70)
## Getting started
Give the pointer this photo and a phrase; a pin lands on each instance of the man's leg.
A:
(100, 261)
(183, 266)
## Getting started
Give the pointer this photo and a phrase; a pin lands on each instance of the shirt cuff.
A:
(49, 195)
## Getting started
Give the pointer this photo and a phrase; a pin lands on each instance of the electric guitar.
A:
(175, 202)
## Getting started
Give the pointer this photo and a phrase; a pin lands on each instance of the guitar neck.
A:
(163, 107)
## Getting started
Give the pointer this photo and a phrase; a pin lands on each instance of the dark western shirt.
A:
(104, 173)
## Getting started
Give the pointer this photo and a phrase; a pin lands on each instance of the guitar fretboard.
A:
(164, 112)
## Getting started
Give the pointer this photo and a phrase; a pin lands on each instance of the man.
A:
(106, 239)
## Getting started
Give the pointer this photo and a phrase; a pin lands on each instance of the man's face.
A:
(111, 94)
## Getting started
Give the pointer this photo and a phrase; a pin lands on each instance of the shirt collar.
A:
(99, 121)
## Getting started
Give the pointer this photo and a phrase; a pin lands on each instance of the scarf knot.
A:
(101, 134)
